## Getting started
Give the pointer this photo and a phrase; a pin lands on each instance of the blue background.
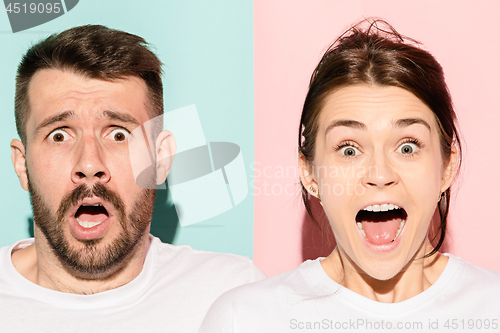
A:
(207, 51)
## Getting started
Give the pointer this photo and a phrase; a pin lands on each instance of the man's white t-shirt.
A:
(172, 294)
(465, 298)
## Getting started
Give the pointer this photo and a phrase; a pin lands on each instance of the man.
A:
(93, 266)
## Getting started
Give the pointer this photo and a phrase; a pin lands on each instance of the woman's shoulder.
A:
(472, 275)
(254, 302)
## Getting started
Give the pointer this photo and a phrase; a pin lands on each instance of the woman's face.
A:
(377, 150)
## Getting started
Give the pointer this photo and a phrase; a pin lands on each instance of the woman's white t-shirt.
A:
(465, 298)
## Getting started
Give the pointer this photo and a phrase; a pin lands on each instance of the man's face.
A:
(86, 203)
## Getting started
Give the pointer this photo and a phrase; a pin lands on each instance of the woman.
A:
(379, 148)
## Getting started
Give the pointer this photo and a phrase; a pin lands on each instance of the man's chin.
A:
(99, 251)
(95, 258)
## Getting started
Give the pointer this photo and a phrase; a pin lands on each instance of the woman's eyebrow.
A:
(410, 121)
(346, 123)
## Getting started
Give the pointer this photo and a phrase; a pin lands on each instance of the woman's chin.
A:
(385, 275)
(382, 270)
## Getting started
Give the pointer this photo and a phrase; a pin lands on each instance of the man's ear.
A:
(165, 151)
(307, 176)
(450, 170)
(19, 161)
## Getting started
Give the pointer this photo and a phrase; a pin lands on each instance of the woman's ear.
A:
(307, 176)
(450, 170)
(165, 151)
(19, 161)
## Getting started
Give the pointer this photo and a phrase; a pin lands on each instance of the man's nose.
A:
(90, 164)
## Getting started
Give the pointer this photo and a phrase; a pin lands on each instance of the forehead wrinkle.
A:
(346, 123)
(115, 115)
(346, 101)
(401, 123)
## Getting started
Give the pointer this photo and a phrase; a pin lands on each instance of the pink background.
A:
(290, 37)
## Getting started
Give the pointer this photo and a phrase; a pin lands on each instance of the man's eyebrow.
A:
(54, 119)
(123, 117)
(346, 123)
(410, 121)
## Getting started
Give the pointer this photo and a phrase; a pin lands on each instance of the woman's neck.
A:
(418, 275)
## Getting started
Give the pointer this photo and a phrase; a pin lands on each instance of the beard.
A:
(91, 259)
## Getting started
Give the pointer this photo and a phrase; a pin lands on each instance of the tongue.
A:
(91, 214)
(380, 233)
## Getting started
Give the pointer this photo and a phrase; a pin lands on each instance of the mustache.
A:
(84, 191)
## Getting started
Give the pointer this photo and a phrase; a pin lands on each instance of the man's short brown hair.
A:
(94, 51)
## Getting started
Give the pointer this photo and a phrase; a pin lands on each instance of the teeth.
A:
(381, 208)
(93, 205)
(360, 227)
(87, 224)
(399, 230)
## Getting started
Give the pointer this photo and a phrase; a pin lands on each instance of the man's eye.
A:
(119, 134)
(59, 136)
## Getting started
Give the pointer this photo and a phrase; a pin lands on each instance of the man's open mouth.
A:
(381, 224)
(90, 215)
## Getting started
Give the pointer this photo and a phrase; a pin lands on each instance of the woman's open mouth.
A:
(381, 224)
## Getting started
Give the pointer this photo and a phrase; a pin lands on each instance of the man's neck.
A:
(38, 264)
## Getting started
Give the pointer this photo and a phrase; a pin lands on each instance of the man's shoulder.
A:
(257, 305)
(18, 245)
(207, 263)
(194, 279)
(7, 251)
(286, 286)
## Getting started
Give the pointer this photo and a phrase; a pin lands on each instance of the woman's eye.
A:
(59, 136)
(407, 148)
(349, 151)
(119, 134)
